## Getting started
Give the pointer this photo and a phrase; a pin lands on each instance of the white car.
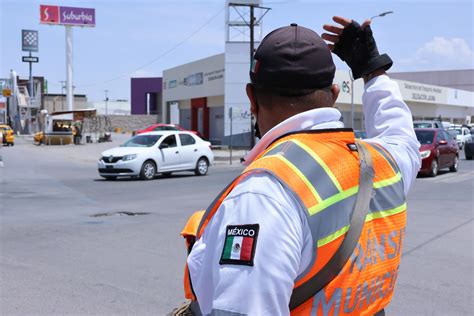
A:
(148, 154)
(463, 135)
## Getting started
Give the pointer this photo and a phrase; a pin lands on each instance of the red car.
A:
(166, 127)
(438, 150)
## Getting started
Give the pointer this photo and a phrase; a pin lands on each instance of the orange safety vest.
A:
(321, 168)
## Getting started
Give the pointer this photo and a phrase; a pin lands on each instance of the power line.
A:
(160, 56)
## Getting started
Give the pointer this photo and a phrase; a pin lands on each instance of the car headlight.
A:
(129, 157)
(425, 154)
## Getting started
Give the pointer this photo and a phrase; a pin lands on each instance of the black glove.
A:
(357, 47)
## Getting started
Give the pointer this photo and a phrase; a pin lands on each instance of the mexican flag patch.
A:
(239, 245)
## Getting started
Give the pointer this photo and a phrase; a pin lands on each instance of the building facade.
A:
(193, 96)
(462, 79)
(146, 96)
(56, 102)
(209, 95)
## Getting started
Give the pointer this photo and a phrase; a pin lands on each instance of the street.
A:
(69, 245)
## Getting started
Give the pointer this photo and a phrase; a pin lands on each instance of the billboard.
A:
(67, 15)
(29, 41)
(49, 14)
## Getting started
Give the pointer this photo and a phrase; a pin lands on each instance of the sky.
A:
(141, 38)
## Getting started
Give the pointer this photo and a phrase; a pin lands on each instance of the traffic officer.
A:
(282, 238)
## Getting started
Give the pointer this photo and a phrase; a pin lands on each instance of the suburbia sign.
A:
(50, 14)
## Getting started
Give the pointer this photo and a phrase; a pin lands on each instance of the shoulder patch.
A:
(239, 245)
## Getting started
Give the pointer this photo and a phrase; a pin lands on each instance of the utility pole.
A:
(32, 85)
(251, 24)
(63, 82)
(69, 68)
(106, 100)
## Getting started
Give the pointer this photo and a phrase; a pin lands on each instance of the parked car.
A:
(431, 124)
(463, 135)
(8, 136)
(164, 152)
(165, 127)
(438, 150)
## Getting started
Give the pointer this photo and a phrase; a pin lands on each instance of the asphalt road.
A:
(64, 250)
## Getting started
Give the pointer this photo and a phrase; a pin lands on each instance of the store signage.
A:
(214, 75)
(76, 16)
(194, 79)
(29, 41)
(346, 87)
(49, 14)
(423, 93)
(67, 15)
(30, 59)
(5, 85)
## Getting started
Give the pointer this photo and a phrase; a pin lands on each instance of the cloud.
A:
(441, 53)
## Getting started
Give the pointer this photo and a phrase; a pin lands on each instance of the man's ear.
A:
(335, 93)
(251, 96)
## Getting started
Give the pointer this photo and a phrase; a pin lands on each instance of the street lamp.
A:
(352, 99)
(381, 14)
(352, 78)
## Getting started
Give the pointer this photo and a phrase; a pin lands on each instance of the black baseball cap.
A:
(292, 60)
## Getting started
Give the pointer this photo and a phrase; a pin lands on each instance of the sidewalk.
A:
(222, 156)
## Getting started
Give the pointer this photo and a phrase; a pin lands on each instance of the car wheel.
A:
(166, 174)
(148, 171)
(434, 168)
(454, 167)
(202, 167)
(109, 177)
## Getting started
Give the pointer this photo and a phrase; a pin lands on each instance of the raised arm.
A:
(388, 119)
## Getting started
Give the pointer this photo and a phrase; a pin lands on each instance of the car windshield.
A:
(142, 141)
(165, 128)
(425, 137)
(456, 130)
(422, 125)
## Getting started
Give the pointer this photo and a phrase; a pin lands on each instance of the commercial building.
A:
(146, 95)
(461, 79)
(201, 95)
(193, 96)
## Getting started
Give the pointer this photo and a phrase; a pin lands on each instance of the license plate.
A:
(109, 167)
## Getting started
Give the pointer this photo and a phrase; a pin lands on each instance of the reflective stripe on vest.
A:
(322, 172)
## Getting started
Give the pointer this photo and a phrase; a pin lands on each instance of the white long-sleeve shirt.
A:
(284, 245)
